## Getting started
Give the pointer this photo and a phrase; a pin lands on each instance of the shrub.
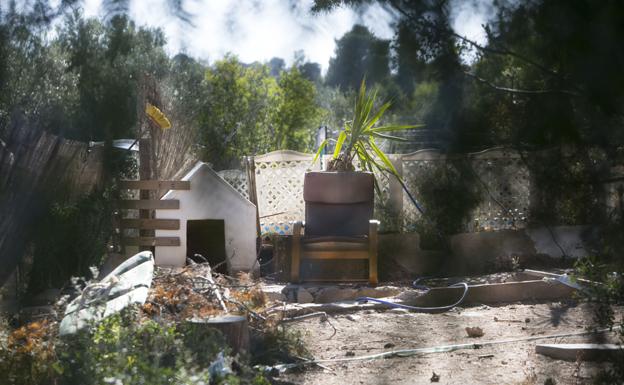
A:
(28, 354)
(608, 291)
(449, 194)
(121, 349)
(70, 238)
(277, 344)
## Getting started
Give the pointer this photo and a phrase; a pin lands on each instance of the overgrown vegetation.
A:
(606, 292)
(83, 83)
(70, 238)
(574, 194)
(278, 344)
(450, 193)
(547, 80)
(122, 349)
(247, 111)
(157, 342)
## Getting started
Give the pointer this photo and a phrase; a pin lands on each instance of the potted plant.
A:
(340, 241)
(357, 139)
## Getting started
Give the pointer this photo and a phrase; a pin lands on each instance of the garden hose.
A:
(419, 308)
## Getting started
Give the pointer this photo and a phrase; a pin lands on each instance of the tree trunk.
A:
(234, 328)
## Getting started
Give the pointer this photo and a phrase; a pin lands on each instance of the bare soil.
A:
(368, 332)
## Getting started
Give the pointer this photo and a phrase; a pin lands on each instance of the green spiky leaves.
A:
(357, 139)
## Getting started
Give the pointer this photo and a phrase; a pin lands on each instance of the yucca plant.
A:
(357, 138)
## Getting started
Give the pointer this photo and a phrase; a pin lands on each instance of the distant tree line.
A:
(548, 76)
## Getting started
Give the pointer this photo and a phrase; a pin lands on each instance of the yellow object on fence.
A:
(157, 116)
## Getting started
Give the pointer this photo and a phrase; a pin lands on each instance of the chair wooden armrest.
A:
(373, 226)
(296, 251)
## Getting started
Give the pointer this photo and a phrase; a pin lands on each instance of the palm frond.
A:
(384, 158)
(389, 137)
(371, 122)
(357, 139)
(339, 142)
(396, 127)
(320, 149)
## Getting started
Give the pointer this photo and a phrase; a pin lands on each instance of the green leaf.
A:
(58, 368)
(366, 158)
(396, 128)
(386, 136)
(370, 104)
(377, 188)
(363, 156)
(376, 117)
(320, 149)
(384, 158)
(379, 166)
(341, 139)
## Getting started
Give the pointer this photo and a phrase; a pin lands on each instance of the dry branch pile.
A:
(198, 292)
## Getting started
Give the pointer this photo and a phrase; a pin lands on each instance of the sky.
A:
(468, 18)
(258, 30)
(254, 30)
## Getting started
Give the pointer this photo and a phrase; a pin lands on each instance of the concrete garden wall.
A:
(476, 252)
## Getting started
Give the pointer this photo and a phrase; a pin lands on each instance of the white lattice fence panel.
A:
(506, 190)
(279, 186)
(236, 179)
(504, 185)
(504, 182)
(415, 167)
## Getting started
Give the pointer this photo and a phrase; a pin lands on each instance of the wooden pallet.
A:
(146, 222)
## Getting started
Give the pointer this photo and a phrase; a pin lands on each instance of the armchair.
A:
(340, 239)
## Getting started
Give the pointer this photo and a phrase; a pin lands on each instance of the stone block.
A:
(303, 296)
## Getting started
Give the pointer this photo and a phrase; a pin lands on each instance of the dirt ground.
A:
(368, 332)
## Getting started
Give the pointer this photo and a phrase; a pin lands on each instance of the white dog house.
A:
(216, 221)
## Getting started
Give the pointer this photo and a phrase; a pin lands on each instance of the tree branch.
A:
(474, 43)
(519, 91)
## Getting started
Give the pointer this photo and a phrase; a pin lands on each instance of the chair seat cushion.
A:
(335, 244)
(345, 220)
(335, 238)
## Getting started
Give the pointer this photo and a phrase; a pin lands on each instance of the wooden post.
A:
(250, 168)
(396, 194)
(282, 256)
(372, 252)
(116, 245)
(295, 262)
(145, 173)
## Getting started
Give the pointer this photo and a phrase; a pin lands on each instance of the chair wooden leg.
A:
(295, 260)
(372, 252)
